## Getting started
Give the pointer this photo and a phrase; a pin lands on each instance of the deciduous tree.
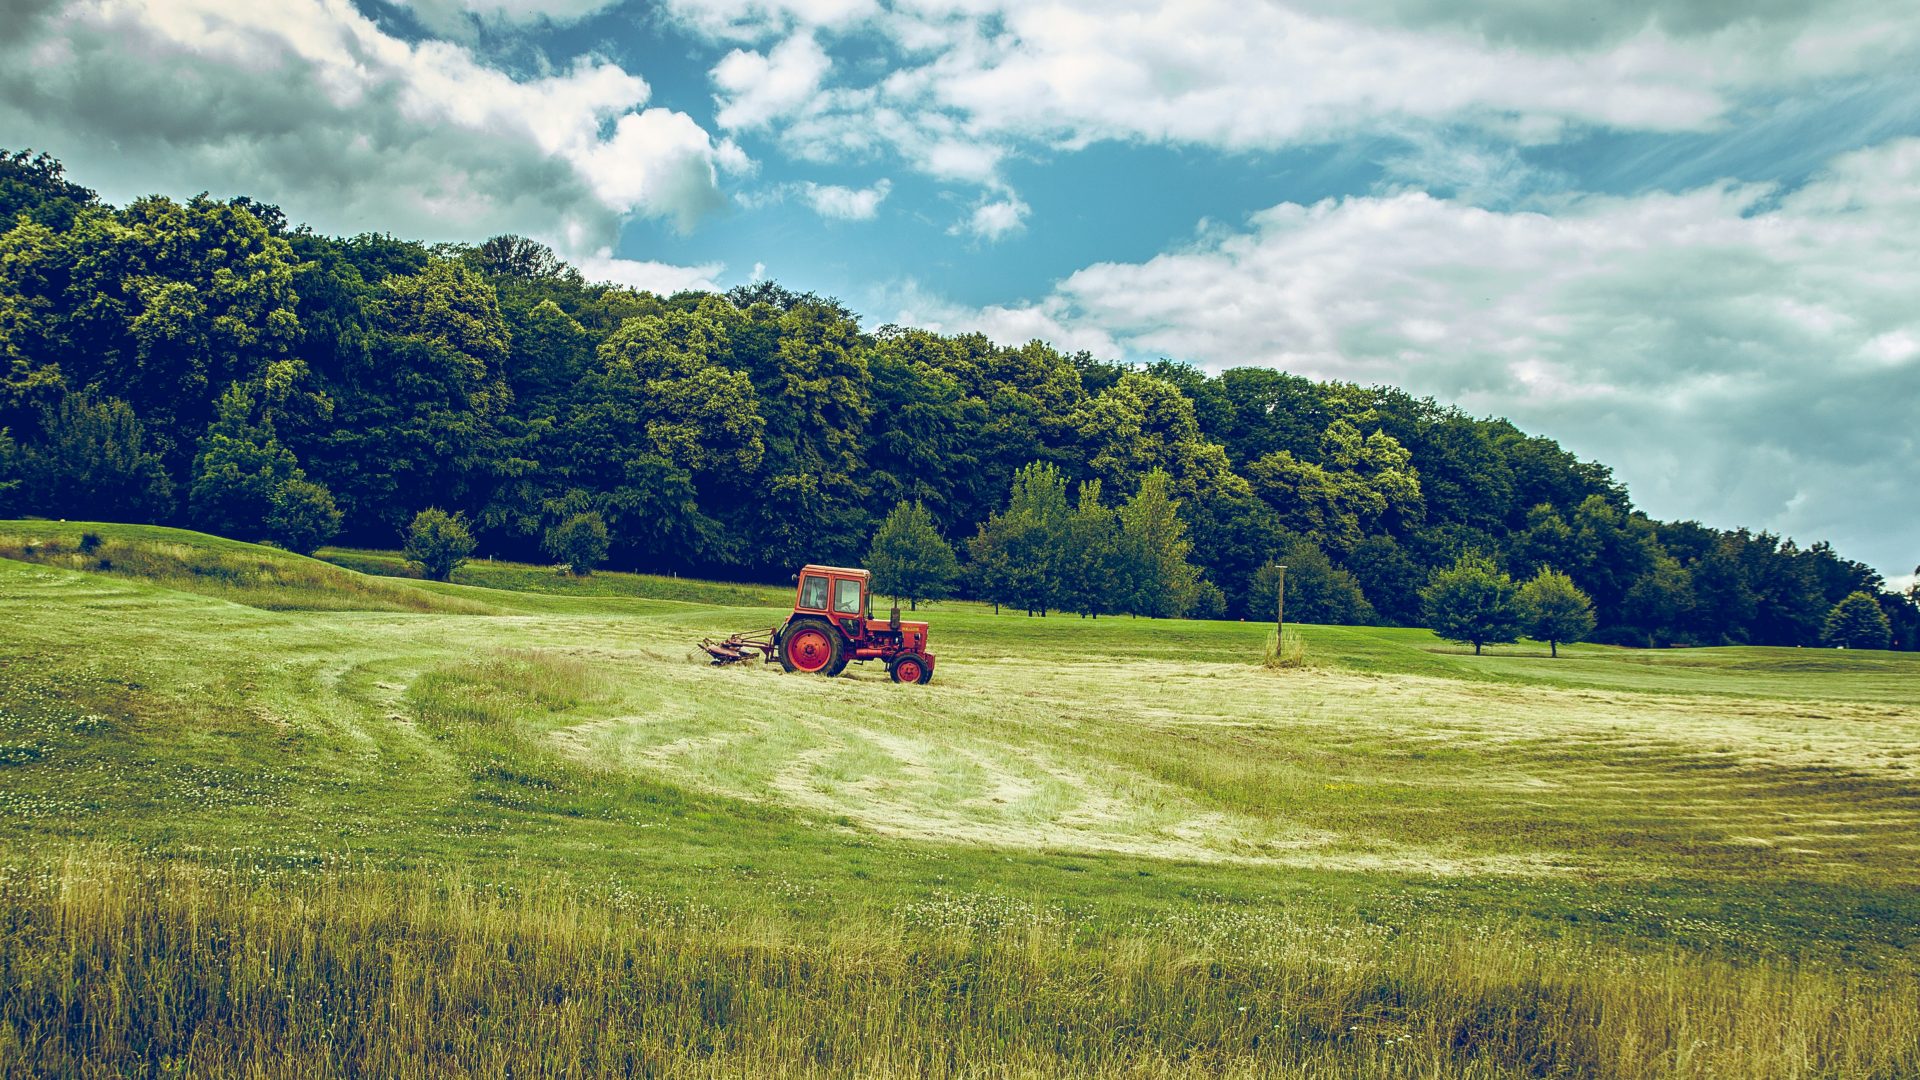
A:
(91, 462)
(1554, 609)
(438, 543)
(1857, 623)
(1153, 551)
(1474, 603)
(1092, 578)
(1317, 590)
(240, 468)
(580, 541)
(1206, 601)
(909, 558)
(1389, 578)
(1035, 530)
(301, 516)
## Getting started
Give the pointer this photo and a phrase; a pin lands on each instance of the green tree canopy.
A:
(580, 541)
(438, 543)
(1659, 599)
(1390, 578)
(1035, 528)
(1547, 540)
(1153, 551)
(989, 570)
(1317, 590)
(301, 516)
(240, 468)
(450, 305)
(1093, 581)
(36, 185)
(1138, 424)
(9, 474)
(1554, 610)
(1206, 601)
(165, 304)
(1857, 623)
(909, 558)
(91, 462)
(1474, 603)
(743, 434)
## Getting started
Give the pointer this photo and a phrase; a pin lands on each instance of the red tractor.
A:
(832, 625)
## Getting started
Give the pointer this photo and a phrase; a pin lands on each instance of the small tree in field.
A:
(1017, 555)
(1153, 551)
(1091, 576)
(1474, 603)
(989, 570)
(1858, 623)
(1554, 610)
(1207, 601)
(580, 541)
(438, 543)
(909, 558)
(301, 516)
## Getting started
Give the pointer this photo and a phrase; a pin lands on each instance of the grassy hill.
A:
(252, 800)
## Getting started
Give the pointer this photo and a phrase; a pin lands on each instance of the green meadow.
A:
(265, 815)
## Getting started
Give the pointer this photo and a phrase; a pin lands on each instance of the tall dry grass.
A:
(1287, 650)
(118, 968)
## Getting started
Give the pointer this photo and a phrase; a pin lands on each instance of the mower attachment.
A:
(740, 647)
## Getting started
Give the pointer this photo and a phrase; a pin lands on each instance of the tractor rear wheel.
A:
(910, 668)
(813, 647)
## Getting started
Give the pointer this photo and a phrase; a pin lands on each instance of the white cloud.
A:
(948, 158)
(657, 159)
(657, 277)
(845, 203)
(309, 104)
(733, 160)
(756, 88)
(1010, 324)
(995, 219)
(1738, 353)
(975, 80)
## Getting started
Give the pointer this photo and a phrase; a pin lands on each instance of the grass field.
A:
(267, 815)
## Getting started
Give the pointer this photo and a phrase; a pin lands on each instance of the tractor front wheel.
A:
(813, 647)
(910, 668)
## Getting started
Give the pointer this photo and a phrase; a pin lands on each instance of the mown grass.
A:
(552, 840)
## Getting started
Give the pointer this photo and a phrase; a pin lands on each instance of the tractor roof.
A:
(843, 570)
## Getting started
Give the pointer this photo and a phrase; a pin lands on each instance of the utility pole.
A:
(1280, 606)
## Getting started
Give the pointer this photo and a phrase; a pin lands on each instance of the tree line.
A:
(205, 363)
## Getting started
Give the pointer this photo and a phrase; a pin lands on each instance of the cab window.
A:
(846, 596)
(813, 592)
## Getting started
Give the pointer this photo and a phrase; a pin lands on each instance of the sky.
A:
(1679, 236)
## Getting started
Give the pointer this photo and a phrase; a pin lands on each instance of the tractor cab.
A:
(837, 592)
